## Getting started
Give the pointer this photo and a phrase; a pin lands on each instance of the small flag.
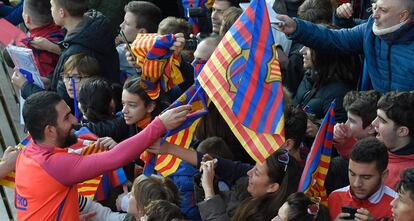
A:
(317, 163)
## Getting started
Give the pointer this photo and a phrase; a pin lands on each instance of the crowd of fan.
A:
(357, 53)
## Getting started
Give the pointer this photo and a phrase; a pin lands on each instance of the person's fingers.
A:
(179, 35)
(10, 149)
(348, 10)
(89, 215)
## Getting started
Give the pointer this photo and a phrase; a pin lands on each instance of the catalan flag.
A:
(183, 135)
(317, 163)
(235, 71)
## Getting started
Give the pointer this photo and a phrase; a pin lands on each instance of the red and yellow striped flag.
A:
(160, 66)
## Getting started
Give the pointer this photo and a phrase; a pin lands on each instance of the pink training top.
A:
(43, 171)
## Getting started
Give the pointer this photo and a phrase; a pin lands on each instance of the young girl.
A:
(300, 207)
(147, 189)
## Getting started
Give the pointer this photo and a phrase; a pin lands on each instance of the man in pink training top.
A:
(46, 175)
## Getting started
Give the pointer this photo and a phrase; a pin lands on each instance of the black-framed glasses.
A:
(284, 158)
(75, 78)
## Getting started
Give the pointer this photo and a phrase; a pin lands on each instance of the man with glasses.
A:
(386, 40)
(366, 191)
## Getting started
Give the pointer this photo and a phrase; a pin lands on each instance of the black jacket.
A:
(94, 37)
(115, 128)
(320, 99)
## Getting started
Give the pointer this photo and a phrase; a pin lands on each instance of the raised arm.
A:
(347, 41)
(79, 168)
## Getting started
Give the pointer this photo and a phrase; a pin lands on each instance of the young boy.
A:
(395, 128)
(38, 19)
(361, 107)
(140, 17)
(89, 33)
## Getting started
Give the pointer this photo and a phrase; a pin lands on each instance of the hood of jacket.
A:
(94, 32)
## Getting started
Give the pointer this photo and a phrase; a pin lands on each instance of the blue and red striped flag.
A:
(258, 103)
(243, 80)
(317, 163)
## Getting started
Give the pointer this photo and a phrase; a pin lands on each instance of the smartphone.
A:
(351, 210)
(127, 44)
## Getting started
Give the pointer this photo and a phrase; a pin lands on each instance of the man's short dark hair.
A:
(39, 11)
(364, 105)
(295, 124)
(316, 11)
(76, 8)
(234, 3)
(406, 184)
(39, 110)
(147, 14)
(399, 107)
(216, 147)
(370, 150)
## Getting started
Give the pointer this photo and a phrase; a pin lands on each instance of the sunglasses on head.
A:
(284, 158)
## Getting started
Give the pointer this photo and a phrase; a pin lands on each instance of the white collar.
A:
(384, 31)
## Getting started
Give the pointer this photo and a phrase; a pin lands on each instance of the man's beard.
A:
(67, 141)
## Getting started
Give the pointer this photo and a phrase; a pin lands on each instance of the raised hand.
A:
(288, 25)
(175, 117)
(345, 11)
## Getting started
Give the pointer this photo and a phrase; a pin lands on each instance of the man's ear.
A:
(404, 16)
(403, 131)
(142, 31)
(50, 131)
(62, 13)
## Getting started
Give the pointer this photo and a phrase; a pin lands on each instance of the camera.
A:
(191, 44)
(351, 210)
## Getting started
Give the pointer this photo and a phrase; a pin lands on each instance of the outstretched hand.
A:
(158, 148)
(288, 25)
(106, 143)
(175, 117)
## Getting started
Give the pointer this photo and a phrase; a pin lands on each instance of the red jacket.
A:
(45, 60)
(396, 164)
(378, 204)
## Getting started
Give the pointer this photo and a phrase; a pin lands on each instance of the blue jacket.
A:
(388, 57)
